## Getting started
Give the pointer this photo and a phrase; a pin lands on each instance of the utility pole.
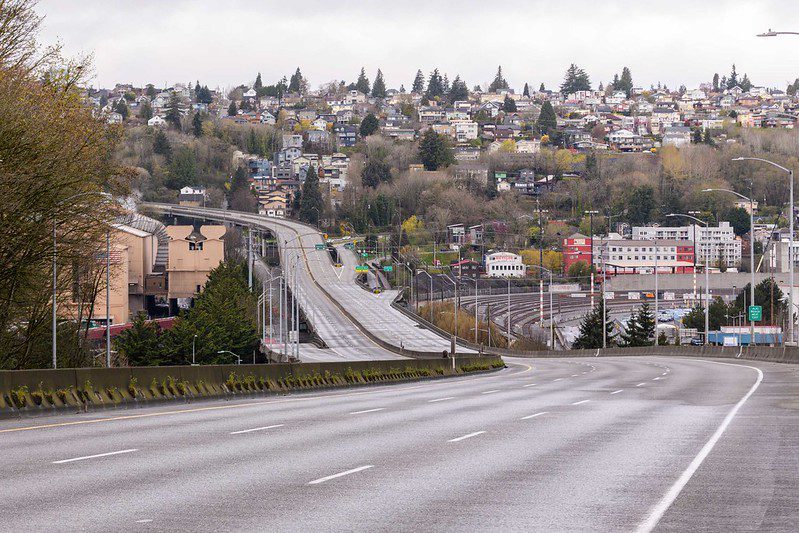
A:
(108, 298)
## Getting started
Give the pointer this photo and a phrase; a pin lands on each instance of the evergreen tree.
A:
(231, 110)
(641, 203)
(590, 335)
(122, 108)
(295, 83)
(498, 83)
(182, 169)
(793, 87)
(150, 91)
(257, 85)
(222, 318)
(509, 105)
(592, 171)
(745, 84)
(197, 125)
(362, 85)
(145, 110)
(575, 80)
(732, 81)
(402, 88)
(640, 328)
(161, 144)
(434, 151)
(173, 112)
(369, 125)
(697, 136)
(239, 182)
(459, 91)
(418, 83)
(435, 86)
(526, 91)
(541, 88)
(547, 122)
(614, 85)
(141, 344)
(311, 202)
(375, 172)
(767, 295)
(379, 86)
(625, 82)
(716, 82)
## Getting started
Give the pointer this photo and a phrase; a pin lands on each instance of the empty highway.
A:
(594, 444)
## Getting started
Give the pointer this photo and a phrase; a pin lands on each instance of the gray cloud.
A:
(226, 43)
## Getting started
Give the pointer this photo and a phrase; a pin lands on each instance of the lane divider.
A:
(63, 461)
(340, 474)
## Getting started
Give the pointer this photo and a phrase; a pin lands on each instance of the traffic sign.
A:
(361, 268)
(364, 254)
(319, 246)
(388, 268)
(755, 313)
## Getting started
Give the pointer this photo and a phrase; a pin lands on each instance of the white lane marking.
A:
(664, 373)
(469, 436)
(557, 379)
(441, 399)
(144, 521)
(529, 385)
(663, 505)
(574, 375)
(62, 461)
(581, 402)
(640, 384)
(528, 417)
(617, 391)
(368, 411)
(490, 391)
(255, 429)
(655, 379)
(340, 474)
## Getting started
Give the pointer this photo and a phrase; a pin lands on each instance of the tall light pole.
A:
(707, 273)
(790, 231)
(551, 315)
(55, 272)
(108, 298)
(591, 237)
(238, 357)
(193, 340)
(771, 33)
(429, 295)
(751, 253)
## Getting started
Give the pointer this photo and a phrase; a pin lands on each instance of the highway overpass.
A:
(345, 316)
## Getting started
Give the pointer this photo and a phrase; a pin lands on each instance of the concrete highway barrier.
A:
(49, 391)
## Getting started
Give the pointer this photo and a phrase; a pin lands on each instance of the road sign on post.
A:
(755, 313)
(319, 246)
(388, 268)
(361, 268)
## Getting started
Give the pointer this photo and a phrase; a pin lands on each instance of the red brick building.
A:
(576, 247)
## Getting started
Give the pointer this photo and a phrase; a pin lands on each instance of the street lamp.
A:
(591, 237)
(751, 253)
(193, 340)
(429, 295)
(55, 279)
(790, 230)
(238, 359)
(772, 33)
(551, 315)
(707, 273)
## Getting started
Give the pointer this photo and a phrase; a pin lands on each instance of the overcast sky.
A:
(225, 43)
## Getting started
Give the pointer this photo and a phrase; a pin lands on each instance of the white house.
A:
(156, 122)
(465, 131)
(504, 265)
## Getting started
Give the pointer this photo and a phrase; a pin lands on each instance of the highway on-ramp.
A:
(572, 444)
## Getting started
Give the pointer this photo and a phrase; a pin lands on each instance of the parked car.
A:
(696, 341)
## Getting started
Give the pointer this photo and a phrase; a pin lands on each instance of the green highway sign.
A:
(361, 268)
(319, 246)
(364, 254)
(349, 246)
(755, 313)
(388, 268)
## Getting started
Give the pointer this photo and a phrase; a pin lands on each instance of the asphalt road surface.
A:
(594, 444)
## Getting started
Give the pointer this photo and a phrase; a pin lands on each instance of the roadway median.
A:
(44, 392)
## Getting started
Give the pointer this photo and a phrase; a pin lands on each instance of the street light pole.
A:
(790, 229)
(751, 255)
(707, 273)
(193, 340)
(591, 237)
(108, 298)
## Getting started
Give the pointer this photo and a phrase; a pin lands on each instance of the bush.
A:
(18, 398)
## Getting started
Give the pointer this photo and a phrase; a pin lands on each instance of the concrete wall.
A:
(776, 354)
(666, 282)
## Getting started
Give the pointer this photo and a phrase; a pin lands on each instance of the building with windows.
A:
(576, 247)
(631, 256)
(193, 254)
(504, 265)
(718, 243)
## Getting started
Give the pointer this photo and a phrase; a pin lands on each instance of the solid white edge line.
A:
(556, 379)
(368, 411)
(617, 391)
(340, 474)
(255, 429)
(529, 385)
(470, 435)
(441, 399)
(640, 384)
(581, 402)
(663, 505)
(62, 461)
(528, 417)
(490, 391)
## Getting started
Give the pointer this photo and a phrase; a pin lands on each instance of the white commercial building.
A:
(717, 242)
(504, 265)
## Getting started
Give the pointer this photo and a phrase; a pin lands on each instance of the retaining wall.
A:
(777, 354)
(37, 391)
